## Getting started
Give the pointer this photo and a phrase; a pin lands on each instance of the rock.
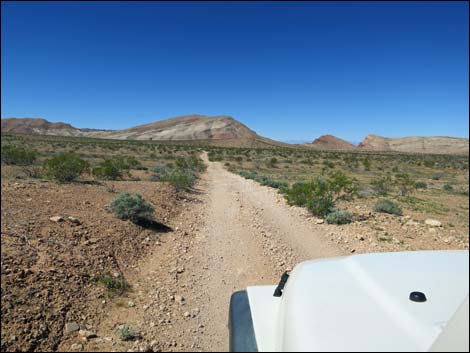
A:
(186, 314)
(432, 230)
(353, 250)
(74, 220)
(76, 347)
(116, 275)
(130, 304)
(56, 219)
(319, 221)
(87, 333)
(179, 299)
(411, 223)
(71, 327)
(433, 222)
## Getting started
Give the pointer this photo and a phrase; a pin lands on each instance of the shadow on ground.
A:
(154, 225)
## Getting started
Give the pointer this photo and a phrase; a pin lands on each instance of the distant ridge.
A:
(417, 144)
(226, 131)
(221, 130)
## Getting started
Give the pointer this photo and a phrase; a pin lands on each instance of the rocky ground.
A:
(226, 234)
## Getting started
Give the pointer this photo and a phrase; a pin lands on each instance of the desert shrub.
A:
(181, 179)
(299, 193)
(271, 183)
(339, 217)
(132, 207)
(127, 333)
(437, 176)
(239, 159)
(342, 186)
(192, 162)
(320, 195)
(116, 285)
(447, 187)
(387, 206)
(405, 183)
(33, 171)
(214, 157)
(65, 167)
(321, 204)
(329, 164)
(13, 155)
(272, 162)
(429, 163)
(133, 163)
(366, 163)
(382, 186)
(161, 173)
(421, 185)
(110, 169)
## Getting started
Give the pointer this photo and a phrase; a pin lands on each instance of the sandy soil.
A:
(238, 234)
(228, 233)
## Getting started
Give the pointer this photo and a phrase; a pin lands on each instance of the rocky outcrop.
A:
(435, 144)
(331, 142)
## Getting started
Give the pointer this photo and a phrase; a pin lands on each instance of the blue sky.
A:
(290, 71)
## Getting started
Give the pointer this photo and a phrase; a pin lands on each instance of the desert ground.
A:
(76, 277)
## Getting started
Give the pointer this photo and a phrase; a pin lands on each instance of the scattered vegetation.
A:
(447, 187)
(127, 333)
(339, 217)
(65, 167)
(132, 207)
(116, 285)
(13, 155)
(387, 206)
(421, 185)
(320, 194)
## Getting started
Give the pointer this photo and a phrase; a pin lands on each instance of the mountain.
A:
(434, 144)
(330, 142)
(221, 130)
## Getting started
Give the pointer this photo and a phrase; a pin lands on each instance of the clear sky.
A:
(290, 71)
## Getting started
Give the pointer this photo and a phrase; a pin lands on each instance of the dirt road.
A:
(234, 234)
(250, 236)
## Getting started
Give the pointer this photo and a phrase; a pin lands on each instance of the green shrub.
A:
(421, 185)
(299, 193)
(272, 162)
(65, 167)
(110, 169)
(387, 206)
(320, 195)
(382, 186)
(133, 163)
(116, 285)
(341, 185)
(132, 207)
(264, 180)
(181, 179)
(13, 155)
(321, 204)
(161, 173)
(447, 187)
(127, 333)
(339, 217)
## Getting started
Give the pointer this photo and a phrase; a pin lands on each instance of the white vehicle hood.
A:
(362, 303)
